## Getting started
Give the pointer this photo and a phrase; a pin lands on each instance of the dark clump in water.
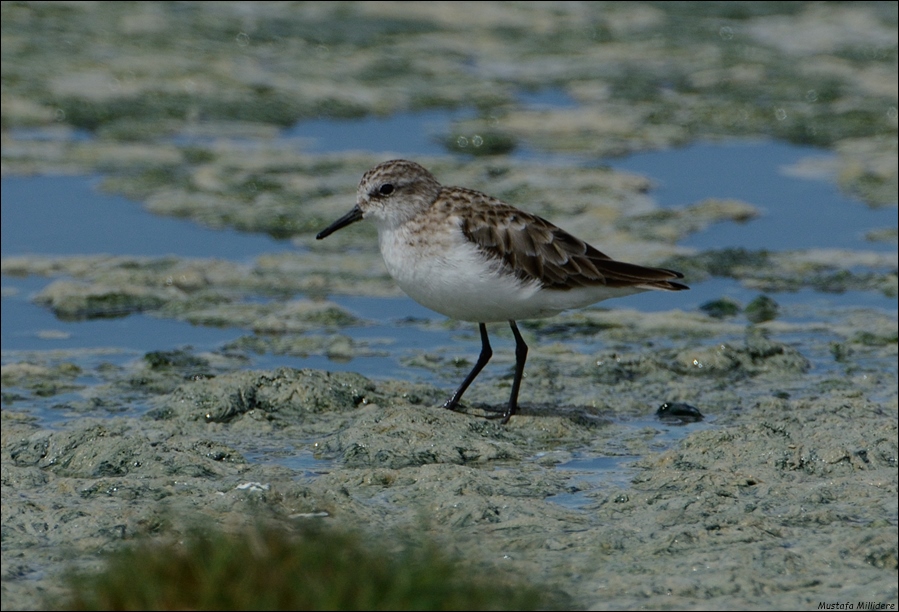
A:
(678, 413)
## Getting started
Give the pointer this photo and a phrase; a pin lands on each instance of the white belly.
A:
(452, 277)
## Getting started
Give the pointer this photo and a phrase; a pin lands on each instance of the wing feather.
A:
(534, 249)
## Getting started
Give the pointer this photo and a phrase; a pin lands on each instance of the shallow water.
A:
(783, 496)
(67, 215)
(798, 214)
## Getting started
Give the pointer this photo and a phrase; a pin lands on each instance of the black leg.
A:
(483, 358)
(521, 355)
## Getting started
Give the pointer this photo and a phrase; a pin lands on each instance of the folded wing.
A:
(535, 249)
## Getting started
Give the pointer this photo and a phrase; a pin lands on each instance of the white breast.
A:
(444, 271)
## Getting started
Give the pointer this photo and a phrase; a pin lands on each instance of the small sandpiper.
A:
(474, 258)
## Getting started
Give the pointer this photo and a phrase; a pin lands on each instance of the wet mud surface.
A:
(783, 496)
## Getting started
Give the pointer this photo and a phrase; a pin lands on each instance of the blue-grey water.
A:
(68, 215)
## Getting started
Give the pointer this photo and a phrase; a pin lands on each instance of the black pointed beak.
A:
(351, 217)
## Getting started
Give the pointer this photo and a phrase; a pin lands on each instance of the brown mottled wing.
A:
(535, 249)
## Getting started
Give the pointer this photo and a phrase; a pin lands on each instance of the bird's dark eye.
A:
(385, 189)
